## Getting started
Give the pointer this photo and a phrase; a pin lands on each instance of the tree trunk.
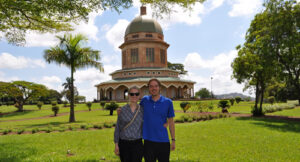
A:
(72, 115)
(256, 95)
(261, 99)
(111, 111)
(20, 106)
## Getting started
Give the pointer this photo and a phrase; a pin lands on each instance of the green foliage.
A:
(34, 130)
(177, 67)
(278, 107)
(55, 109)
(203, 93)
(257, 112)
(111, 107)
(102, 103)
(89, 105)
(65, 103)
(20, 131)
(185, 106)
(71, 53)
(39, 105)
(271, 99)
(224, 104)
(53, 103)
(238, 99)
(232, 101)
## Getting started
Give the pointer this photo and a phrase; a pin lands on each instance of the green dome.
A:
(143, 24)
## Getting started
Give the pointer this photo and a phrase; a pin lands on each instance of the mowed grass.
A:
(227, 139)
(290, 112)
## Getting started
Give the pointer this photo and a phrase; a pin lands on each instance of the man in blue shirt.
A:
(157, 111)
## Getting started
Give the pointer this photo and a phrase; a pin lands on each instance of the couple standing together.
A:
(147, 120)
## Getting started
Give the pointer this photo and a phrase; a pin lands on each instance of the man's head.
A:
(154, 87)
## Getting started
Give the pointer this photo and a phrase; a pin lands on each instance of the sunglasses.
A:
(132, 94)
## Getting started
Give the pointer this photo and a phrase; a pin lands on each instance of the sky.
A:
(203, 40)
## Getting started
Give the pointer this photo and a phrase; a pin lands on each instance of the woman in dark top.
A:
(128, 131)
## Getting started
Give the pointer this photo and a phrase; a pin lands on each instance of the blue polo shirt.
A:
(155, 115)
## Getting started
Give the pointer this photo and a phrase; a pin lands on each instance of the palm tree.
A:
(70, 52)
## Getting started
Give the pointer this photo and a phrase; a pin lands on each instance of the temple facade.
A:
(144, 56)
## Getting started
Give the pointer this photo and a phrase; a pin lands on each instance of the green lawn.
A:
(291, 112)
(227, 139)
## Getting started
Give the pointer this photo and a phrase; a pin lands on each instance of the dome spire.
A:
(143, 10)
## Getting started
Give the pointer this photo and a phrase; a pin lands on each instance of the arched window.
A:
(150, 54)
(134, 55)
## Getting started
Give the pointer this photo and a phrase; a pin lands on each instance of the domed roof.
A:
(143, 24)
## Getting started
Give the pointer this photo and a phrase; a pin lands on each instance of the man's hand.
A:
(166, 125)
(119, 110)
(173, 146)
(117, 152)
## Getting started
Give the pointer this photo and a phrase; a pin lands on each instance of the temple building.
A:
(144, 56)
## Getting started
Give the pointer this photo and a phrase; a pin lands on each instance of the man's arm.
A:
(172, 132)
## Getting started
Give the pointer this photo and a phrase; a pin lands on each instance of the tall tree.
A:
(178, 67)
(19, 16)
(203, 93)
(22, 91)
(71, 53)
(283, 23)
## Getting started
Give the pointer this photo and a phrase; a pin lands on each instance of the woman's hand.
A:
(117, 152)
(166, 125)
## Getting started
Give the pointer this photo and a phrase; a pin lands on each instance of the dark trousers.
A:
(156, 151)
(131, 150)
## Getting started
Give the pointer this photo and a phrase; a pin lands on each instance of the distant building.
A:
(144, 56)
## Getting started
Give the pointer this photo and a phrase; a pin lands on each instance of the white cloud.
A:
(35, 39)
(105, 27)
(51, 82)
(244, 7)
(212, 4)
(115, 35)
(86, 80)
(9, 61)
(4, 78)
(220, 65)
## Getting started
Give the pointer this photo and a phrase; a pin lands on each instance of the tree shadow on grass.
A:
(53, 124)
(10, 151)
(282, 125)
(16, 113)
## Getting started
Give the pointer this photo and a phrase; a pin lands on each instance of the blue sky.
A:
(203, 39)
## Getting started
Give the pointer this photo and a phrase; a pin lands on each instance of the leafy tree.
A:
(22, 91)
(89, 105)
(55, 109)
(271, 99)
(185, 106)
(232, 101)
(283, 24)
(203, 93)
(111, 107)
(102, 103)
(224, 104)
(52, 95)
(178, 67)
(238, 99)
(70, 52)
(19, 16)
(39, 105)
(79, 99)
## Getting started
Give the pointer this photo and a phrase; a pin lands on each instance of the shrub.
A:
(107, 125)
(53, 103)
(238, 99)
(111, 107)
(232, 101)
(6, 131)
(89, 105)
(201, 107)
(102, 104)
(256, 112)
(55, 109)
(185, 106)
(98, 126)
(271, 99)
(84, 126)
(34, 130)
(72, 128)
(49, 129)
(190, 119)
(179, 120)
(39, 105)
(224, 105)
(20, 131)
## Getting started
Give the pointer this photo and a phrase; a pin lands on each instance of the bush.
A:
(53, 103)
(55, 109)
(72, 128)
(49, 129)
(224, 105)
(102, 104)
(65, 103)
(201, 107)
(34, 130)
(232, 101)
(180, 120)
(89, 105)
(39, 105)
(98, 126)
(271, 99)
(111, 107)
(185, 106)
(238, 99)
(256, 112)
(20, 131)
(107, 125)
